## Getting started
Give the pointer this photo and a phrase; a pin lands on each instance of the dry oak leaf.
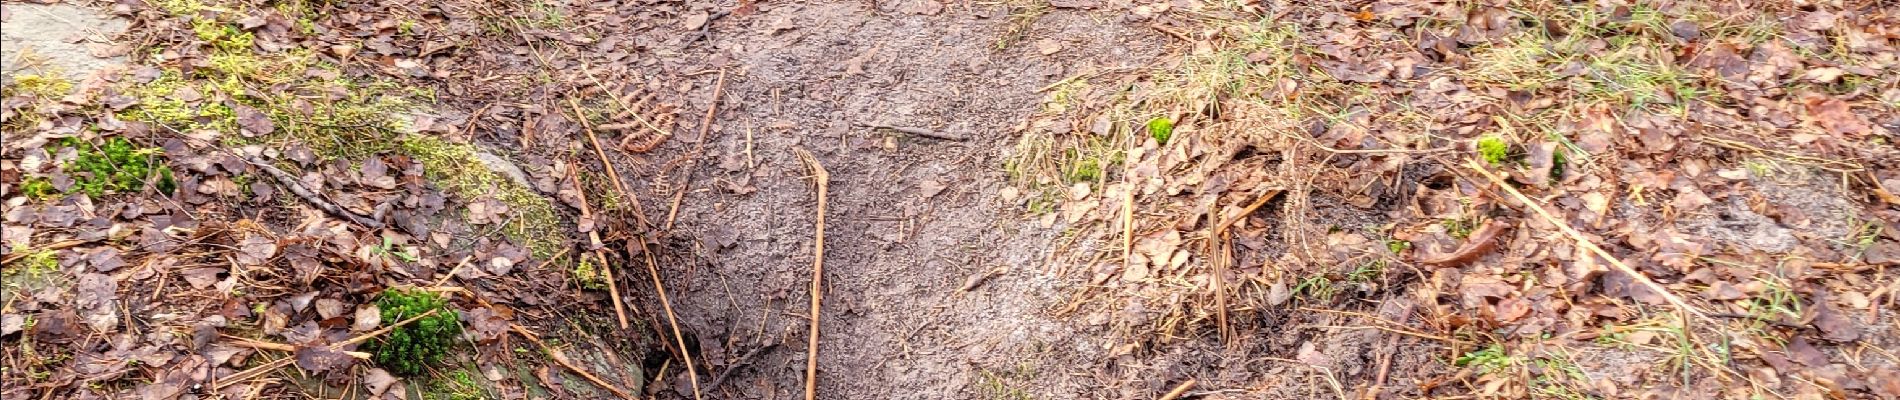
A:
(1836, 116)
(1479, 243)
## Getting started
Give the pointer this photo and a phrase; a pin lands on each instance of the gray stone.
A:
(57, 39)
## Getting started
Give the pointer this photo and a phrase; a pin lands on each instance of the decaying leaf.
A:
(1480, 242)
(322, 358)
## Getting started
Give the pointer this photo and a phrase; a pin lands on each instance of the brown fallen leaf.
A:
(1480, 242)
(378, 381)
(1834, 326)
(322, 358)
(1836, 116)
(1804, 352)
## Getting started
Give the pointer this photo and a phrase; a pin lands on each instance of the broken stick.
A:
(561, 358)
(699, 149)
(1641, 279)
(919, 132)
(296, 187)
(593, 237)
(823, 179)
(678, 338)
(1179, 390)
(736, 365)
(639, 215)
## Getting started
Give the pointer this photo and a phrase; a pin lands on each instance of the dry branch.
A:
(612, 173)
(593, 237)
(736, 365)
(262, 345)
(296, 187)
(919, 132)
(1538, 208)
(823, 179)
(561, 358)
(678, 338)
(1179, 390)
(699, 148)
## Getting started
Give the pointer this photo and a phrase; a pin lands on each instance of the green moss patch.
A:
(410, 349)
(454, 168)
(1493, 149)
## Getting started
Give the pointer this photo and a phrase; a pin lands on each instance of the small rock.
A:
(1048, 46)
(502, 166)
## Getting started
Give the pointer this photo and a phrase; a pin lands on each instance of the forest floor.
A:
(1017, 199)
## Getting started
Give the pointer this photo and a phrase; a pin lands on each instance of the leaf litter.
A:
(1683, 137)
(1733, 152)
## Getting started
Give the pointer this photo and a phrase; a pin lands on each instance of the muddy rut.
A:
(912, 218)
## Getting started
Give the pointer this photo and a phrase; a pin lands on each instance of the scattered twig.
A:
(1757, 318)
(1251, 207)
(1829, 164)
(561, 358)
(260, 370)
(1221, 252)
(1385, 360)
(63, 244)
(296, 187)
(593, 237)
(1128, 222)
(262, 345)
(919, 132)
(749, 165)
(1177, 34)
(1179, 390)
(823, 180)
(977, 280)
(699, 148)
(671, 319)
(1641, 279)
(736, 365)
(550, 260)
(452, 271)
(1880, 190)
(612, 173)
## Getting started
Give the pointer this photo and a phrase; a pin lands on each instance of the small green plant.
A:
(1006, 384)
(588, 276)
(458, 385)
(1085, 170)
(1367, 272)
(38, 189)
(115, 167)
(1488, 360)
(1397, 246)
(1161, 129)
(1316, 286)
(390, 249)
(1459, 228)
(1776, 302)
(37, 85)
(35, 264)
(410, 349)
(1022, 16)
(1493, 149)
(1558, 162)
(224, 37)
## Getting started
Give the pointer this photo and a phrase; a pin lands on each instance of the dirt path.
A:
(912, 218)
(1029, 199)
